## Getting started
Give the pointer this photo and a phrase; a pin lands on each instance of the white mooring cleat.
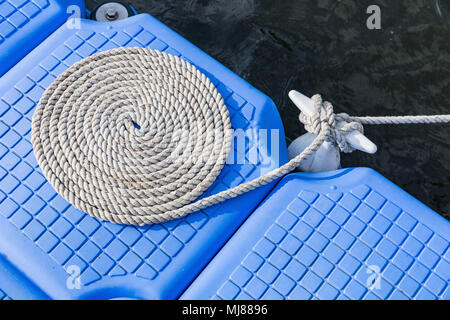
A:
(327, 157)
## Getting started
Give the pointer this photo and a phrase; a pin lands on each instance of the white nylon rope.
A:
(119, 135)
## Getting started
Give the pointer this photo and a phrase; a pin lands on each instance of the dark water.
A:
(325, 47)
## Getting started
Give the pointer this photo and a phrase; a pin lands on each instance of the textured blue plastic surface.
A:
(318, 236)
(42, 236)
(14, 285)
(25, 23)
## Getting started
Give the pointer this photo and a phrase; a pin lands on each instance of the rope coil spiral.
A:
(109, 135)
(135, 136)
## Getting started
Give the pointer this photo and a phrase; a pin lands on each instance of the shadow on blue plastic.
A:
(346, 234)
(25, 23)
(13, 284)
(68, 254)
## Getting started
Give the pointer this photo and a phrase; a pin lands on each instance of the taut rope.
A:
(135, 136)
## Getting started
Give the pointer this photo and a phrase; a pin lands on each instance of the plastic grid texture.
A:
(25, 23)
(347, 234)
(70, 255)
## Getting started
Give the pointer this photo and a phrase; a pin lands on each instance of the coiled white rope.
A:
(135, 136)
